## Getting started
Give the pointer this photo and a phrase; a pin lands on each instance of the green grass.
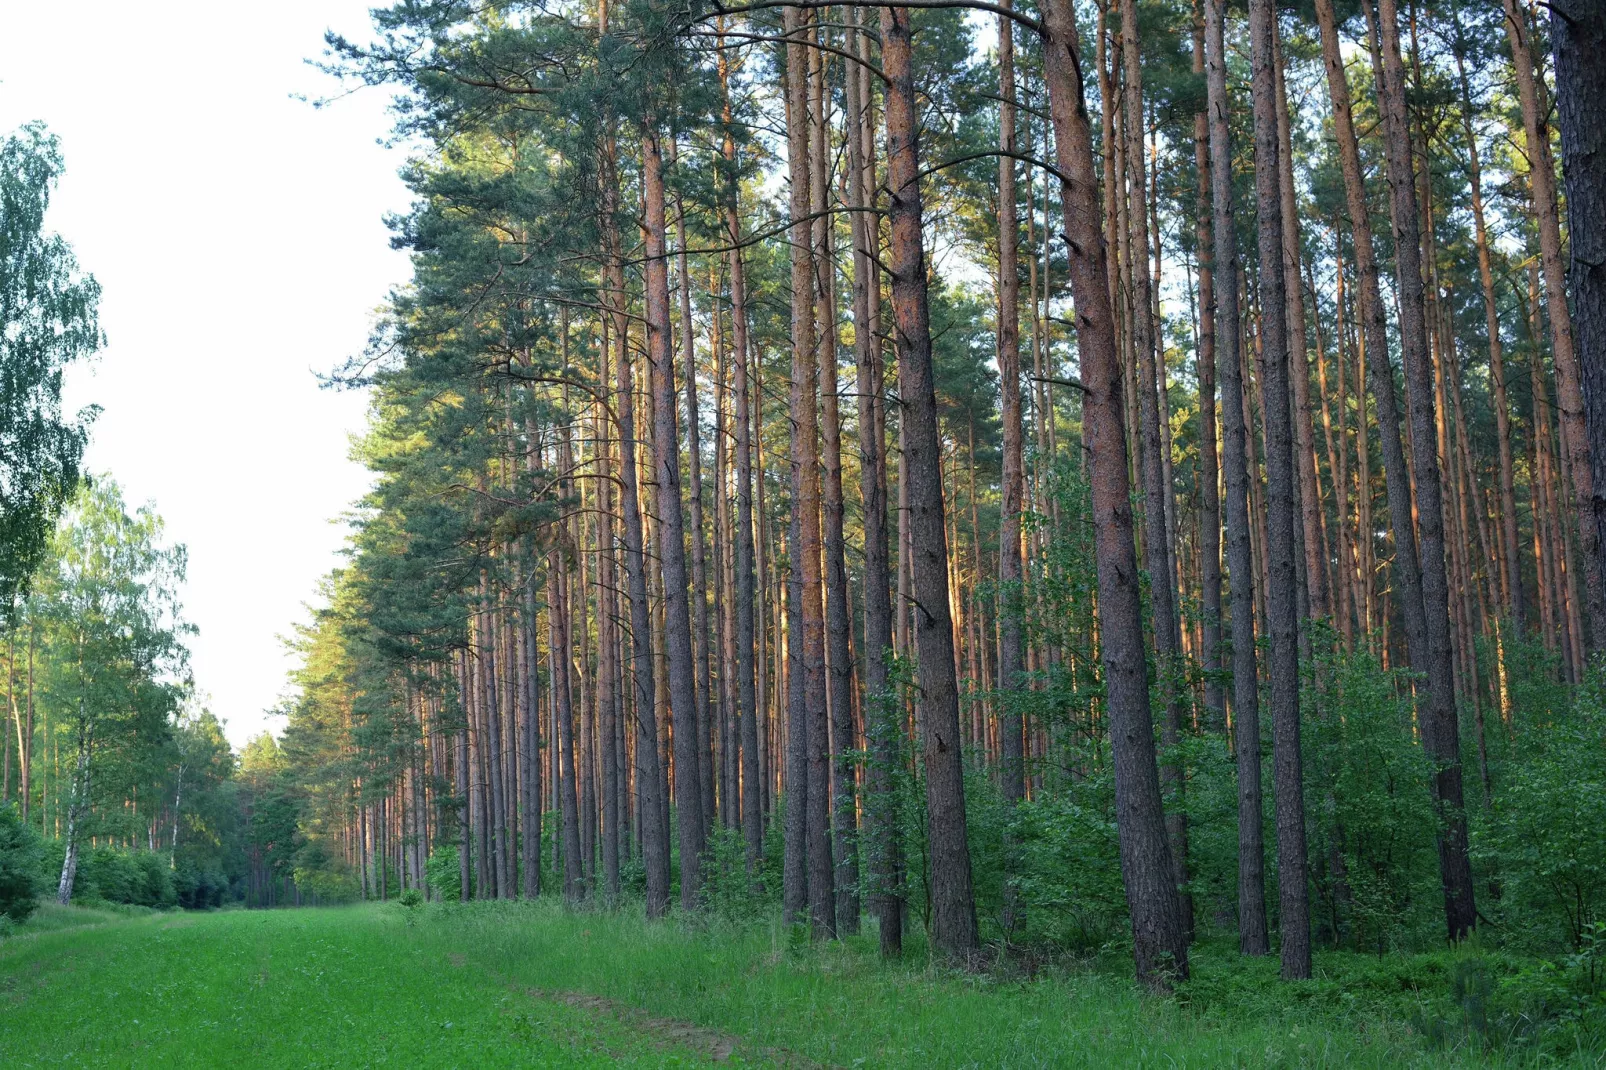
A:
(503, 985)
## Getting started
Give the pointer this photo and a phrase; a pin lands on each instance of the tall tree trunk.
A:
(881, 704)
(953, 907)
(1578, 35)
(807, 787)
(1209, 471)
(563, 710)
(1569, 386)
(1156, 487)
(1313, 539)
(1293, 883)
(838, 609)
(654, 832)
(671, 526)
(1512, 559)
(1374, 344)
(531, 853)
(1012, 483)
(746, 648)
(1252, 928)
(1160, 946)
(1440, 738)
(699, 543)
(77, 807)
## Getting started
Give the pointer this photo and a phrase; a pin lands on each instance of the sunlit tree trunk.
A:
(1569, 388)
(881, 704)
(953, 908)
(1160, 947)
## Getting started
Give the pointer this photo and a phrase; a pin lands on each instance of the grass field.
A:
(505, 985)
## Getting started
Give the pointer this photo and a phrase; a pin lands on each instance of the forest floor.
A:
(508, 985)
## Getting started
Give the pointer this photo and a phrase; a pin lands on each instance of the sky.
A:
(238, 236)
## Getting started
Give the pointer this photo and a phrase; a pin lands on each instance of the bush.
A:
(1545, 830)
(728, 892)
(22, 859)
(118, 875)
(444, 873)
(200, 889)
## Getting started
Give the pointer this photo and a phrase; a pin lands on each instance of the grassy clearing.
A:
(502, 985)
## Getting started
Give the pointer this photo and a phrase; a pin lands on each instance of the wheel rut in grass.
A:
(663, 1032)
(671, 1032)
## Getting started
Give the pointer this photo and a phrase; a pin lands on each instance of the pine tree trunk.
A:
(953, 908)
(671, 526)
(1440, 738)
(1160, 947)
(1578, 35)
(1209, 468)
(1374, 344)
(563, 711)
(706, 707)
(752, 815)
(881, 704)
(1156, 486)
(1314, 541)
(1569, 387)
(1252, 926)
(838, 610)
(1293, 883)
(1512, 560)
(653, 831)
(1012, 484)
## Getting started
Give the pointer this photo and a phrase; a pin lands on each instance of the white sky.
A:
(238, 237)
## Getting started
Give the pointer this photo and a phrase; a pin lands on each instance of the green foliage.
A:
(22, 860)
(728, 891)
(1548, 813)
(48, 320)
(444, 872)
(119, 875)
(1070, 883)
(1367, 792)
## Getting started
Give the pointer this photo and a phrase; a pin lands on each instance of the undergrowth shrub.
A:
(120, 875)
(443, 869)
(22, 858)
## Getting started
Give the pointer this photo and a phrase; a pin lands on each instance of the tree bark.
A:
(1293, 883)
(953, 907)
(1569, 386)
(1440, 738)
(654, 832)
(706, 707)
(671, 526)
(1160, 947)
(881, 704)
(1012, 483)
(838, 609)
(1156, 485)
(1209, 466)
(1252, 926)
(1578, 35)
